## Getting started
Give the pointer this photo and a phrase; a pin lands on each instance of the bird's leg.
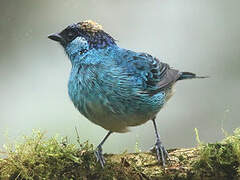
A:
(160, 150)
(98, 151)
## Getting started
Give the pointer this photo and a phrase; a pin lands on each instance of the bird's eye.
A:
(71, 35)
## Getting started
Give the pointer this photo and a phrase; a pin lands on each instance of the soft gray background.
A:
(201, 36)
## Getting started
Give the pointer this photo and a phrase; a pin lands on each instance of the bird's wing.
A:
(156, 76)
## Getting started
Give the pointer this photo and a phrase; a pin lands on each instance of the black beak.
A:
(56, 37)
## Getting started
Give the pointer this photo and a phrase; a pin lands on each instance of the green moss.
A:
(41, 158)
(181, 158)
(219, 159)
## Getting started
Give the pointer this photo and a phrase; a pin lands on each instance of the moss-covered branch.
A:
(40, 158)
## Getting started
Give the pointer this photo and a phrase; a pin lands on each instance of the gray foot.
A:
(161, 152)
(99, 155)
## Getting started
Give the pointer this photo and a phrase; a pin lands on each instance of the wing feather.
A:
(156, 75)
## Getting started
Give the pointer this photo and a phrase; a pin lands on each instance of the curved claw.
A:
(161, 152)
(99, 155)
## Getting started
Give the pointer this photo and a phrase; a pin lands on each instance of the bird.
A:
(114, 87)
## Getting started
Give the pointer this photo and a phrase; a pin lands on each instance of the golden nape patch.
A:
(90, 26)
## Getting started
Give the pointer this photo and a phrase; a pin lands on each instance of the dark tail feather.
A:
(189, 75)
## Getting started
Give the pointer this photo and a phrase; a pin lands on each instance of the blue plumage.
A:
(110, 89)
(114, 87)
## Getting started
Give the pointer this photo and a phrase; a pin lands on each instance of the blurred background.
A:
(200, 36)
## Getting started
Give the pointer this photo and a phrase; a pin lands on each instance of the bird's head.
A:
(81, 37)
